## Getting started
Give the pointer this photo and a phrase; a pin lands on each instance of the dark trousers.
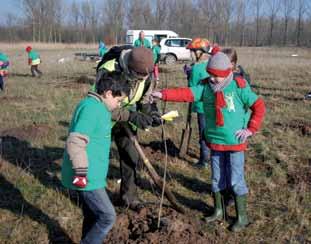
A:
(1, 83)
(129, 160)
(204, 151)
(35, 71)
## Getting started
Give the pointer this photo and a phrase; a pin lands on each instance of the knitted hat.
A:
(141, 61)
(219, 65)
(28, 49)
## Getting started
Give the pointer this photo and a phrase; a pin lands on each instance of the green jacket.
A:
(146, 43)
(235, 114)
(102, 51)
(33, 55)
(156, 53)
(4, 57)
(91, 118)
(198, 73)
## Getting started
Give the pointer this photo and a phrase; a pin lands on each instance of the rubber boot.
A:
(242, 219)
(218, 209)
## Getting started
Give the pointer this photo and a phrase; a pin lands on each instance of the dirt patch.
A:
(300, 174)
(304, 127)
(27, 132)
(141, 227)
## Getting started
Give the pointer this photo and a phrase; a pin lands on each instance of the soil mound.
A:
(141, 227)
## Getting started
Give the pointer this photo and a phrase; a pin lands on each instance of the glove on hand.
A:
(156, 118)
(243, 134)
(157, 94)
(141, 120)
(79, 181)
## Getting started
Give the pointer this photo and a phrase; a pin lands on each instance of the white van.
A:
(132, 35)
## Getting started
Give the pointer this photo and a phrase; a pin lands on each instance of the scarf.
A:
(220, 99)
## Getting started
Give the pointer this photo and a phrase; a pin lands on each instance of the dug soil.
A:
(141, 227)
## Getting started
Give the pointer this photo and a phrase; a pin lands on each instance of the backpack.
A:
(113, 53)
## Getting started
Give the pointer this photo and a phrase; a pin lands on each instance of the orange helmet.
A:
(199, 44)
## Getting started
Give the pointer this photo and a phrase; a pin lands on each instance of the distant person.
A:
(156, 48)
(142, 41)
(102, 49)
(34, 61)
(4, 64)
(224, 101)
(237, 69)
(86, 158)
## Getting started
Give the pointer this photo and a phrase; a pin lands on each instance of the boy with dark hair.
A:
(224, 101)
(86, 158)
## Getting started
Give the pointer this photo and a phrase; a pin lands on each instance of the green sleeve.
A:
(198, 73)
(147, 43)
(136, 43)
(85, 120)
(248, 97)
(197, 92)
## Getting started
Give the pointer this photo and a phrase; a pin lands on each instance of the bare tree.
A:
(301, 10)
(287, 7)
(274, 6)
(241, 6)
(114, 19)
(139, 15)
(160, 13)
(258, 7)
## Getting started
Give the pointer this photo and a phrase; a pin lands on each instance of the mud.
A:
(28, 132)
(142, 227)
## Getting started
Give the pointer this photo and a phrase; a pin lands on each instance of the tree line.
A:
(227, 22)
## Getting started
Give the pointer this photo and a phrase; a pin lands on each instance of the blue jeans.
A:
(204, 151)
(99, 216)
(228, 172)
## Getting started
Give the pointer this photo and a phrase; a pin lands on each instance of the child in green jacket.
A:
(4, 64)
(156, 58)
(227, 128)
(34, 61)
(86, 158)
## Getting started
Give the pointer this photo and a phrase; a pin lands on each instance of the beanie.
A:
(219, 65)
(141, 60)
(28, 49)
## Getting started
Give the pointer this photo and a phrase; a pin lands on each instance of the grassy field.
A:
(35, 113)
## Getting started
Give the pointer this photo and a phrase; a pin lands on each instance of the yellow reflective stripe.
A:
(36, 61)
(137, 96)
(109, 65)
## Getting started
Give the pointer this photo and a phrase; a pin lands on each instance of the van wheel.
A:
(170, 59)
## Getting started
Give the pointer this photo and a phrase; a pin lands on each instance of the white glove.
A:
(157, 94)
(243, 134)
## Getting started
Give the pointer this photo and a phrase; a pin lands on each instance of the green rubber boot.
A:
(242, 220)
(218, 209)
